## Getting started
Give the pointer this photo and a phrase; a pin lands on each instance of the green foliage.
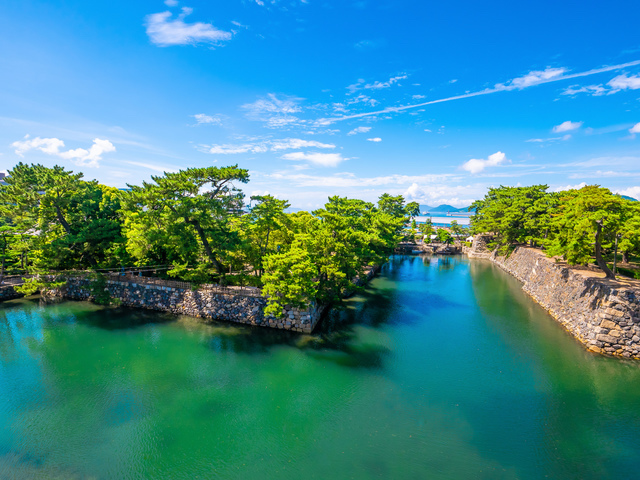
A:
(426, 229)
(576, 225)
(197, 275)
(99, 291)
(584, 221)
(69, 223)
(38, 284)
(167, 218)
(444, 236)
(290, 279)
(513, 214)
(195, 221)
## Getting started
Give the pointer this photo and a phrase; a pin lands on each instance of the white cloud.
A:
(321, 159)
(595, 90)
(52, 146)
(633, 192)
(531, 79)
(357, 130)
(635, 128)
(265, 146)
(274, 112)
(376, 139)
(155, 168)
(570, 187)
(377, 85)
(203, 119)
(460, 195)
(552, 139)
(296, 143)
(418, 97)
(387, 84)
(624, 82)
(477, 165)
(349, 180)
(535, 77)
(165, 32)
(615, 85)
(234, 149)
(567, 126)
(171, 3)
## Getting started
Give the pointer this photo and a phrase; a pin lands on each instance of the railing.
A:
(12, 280)
(128, 277)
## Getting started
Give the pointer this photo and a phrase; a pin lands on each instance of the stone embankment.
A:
(7, 292)
(602, 314)
(240, 307)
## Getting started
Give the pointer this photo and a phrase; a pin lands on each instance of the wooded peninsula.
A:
(196, 225)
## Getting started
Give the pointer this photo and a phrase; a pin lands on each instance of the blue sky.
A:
(436, 101)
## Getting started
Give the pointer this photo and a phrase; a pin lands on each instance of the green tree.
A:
(195, 204)
(512, 214)
(72, 223)
(266, 219)
(290, 279)
(585, 220)
(444, 236)
(426, 229)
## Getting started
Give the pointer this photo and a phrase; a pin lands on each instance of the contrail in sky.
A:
(529, 80)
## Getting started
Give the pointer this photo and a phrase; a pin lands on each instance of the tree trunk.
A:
(62, 220)
(205, 244)
(601, 263)
(625, 257)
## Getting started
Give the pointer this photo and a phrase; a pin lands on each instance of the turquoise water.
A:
(441, 369)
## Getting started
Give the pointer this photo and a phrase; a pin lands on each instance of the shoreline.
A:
(603, 315)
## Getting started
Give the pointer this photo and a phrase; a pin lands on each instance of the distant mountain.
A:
(629, 198)
(444, 208)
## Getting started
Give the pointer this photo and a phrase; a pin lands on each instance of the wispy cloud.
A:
(265, 146)
(165, 32)
(376, 139)
(529, 80)
(296, 143)
(548, 140)
(567, 126)
(457, 195)
(275, 112)
(150, 166)
(635, 129)
(377, 85)
(615, 85)
(321, 159)
(203, 119)
(52, 146)
(349, 180)
(477, 165)
(357, 130)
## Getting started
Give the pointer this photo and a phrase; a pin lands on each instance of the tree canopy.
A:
(578, 224)
(196, 225)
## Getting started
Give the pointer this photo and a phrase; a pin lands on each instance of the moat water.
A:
(442, 369)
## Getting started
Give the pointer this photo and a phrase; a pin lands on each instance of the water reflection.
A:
(442, 368)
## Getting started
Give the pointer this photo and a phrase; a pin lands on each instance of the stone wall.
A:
(8, 292)
(479, 247)
(604, 315)
(202, 303)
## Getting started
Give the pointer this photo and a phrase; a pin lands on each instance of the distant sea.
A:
(443, 221)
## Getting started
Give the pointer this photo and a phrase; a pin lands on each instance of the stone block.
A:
(605, 338)
(608, 324)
